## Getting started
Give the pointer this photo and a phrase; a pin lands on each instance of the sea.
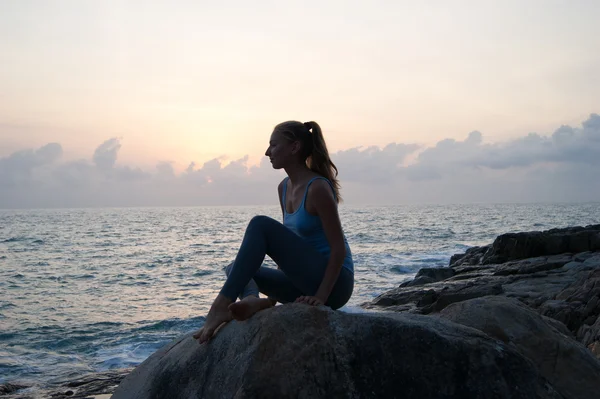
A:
(88, 290)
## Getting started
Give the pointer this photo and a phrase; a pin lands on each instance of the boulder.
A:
(436, 296)
(429, 275)
(94, 385)
(564, 287)
(299, 351)
(569, 366)
(514, 246)
(472, 256)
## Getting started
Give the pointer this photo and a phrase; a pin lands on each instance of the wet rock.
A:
(84, 387)
(9, 388)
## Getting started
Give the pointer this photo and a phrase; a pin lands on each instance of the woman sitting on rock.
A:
(313, 257)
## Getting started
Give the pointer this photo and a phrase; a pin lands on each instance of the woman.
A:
(313, 257)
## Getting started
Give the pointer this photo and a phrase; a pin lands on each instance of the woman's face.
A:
(281, 151)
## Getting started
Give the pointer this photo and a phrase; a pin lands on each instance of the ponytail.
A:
(318, 161)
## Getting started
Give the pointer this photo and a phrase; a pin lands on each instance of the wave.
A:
(169, 324)
(15, 239)
(201, 273)
(23, 238)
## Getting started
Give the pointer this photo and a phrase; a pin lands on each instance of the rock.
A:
(89, 386)
(418, 281)
(560, 327)
(437, 295)
(471, 257)
(589, 335)
(533, 265)
(306, 352)
(595, 348)
(436, 273)
(561, 311)
(9, 388)
(469, 291)
(578, 305)
(514, 246)
(429, 275)
(562, 286)
(417, 296)
(593, 260)
(595, 242)
(470, 269)
(567, 364)
(581, 257)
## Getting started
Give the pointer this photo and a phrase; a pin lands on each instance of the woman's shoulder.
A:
(282, 182)
(320, 187)
(281, 185)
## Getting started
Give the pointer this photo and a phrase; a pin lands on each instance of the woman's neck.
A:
(297, 173)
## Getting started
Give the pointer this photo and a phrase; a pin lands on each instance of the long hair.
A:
(314, 149)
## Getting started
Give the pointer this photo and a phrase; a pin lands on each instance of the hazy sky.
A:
(167, 83)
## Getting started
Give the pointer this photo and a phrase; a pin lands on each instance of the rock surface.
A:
(300, 351)
(98, 385)
(514, 246)
(562, 286)
(572, 369)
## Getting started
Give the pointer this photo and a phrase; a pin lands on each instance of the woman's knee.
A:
(260, 221)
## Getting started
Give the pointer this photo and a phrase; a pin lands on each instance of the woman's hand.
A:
(309, 300)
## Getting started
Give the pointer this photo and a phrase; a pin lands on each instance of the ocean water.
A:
(85, 290)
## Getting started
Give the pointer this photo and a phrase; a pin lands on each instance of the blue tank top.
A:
(310, 227)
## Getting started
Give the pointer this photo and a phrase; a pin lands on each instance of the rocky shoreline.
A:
(92, 386)
(518, 318)
(555, 272)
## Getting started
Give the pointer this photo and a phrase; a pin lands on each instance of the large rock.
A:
(514, 246)
(436, 296)
(578, 305)
(564, 287)
(306, 352)
(567, 364)
(94, 385)
(472, 256)
(430, 275)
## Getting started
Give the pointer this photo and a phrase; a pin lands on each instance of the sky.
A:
(131, 103)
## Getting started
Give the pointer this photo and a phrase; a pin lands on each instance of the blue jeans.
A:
(301, 266)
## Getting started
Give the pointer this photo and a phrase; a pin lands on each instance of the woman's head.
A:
(297, 142)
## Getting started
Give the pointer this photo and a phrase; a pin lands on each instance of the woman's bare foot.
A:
(248, 306)
(217, 315)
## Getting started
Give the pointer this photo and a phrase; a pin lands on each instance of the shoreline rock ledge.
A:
(514, 319)
(538, 292)
(298, 351)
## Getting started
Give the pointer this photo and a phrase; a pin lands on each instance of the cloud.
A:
(105, 155)
(565, 146)
(372, 164)
(562, 166)
(17, 168)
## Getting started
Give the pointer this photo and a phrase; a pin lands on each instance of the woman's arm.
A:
(280, 190)
(322, 199)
